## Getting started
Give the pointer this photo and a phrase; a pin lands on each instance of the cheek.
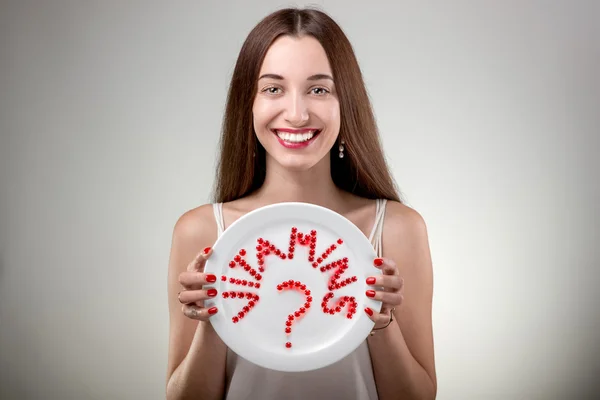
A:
(331, 115)
(263, 112)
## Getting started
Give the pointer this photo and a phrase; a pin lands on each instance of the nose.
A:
(296, 110)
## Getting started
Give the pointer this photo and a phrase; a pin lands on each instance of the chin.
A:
(297, 162)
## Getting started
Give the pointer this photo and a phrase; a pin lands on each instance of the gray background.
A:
(109, 118)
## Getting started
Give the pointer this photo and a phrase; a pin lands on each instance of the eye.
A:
(321, 91)
(271, 90)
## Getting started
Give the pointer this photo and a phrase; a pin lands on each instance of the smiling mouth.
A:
(296, 137)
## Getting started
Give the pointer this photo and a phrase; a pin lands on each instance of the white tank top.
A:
(351, 378)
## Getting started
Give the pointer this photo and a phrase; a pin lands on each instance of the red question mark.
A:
(299, 313)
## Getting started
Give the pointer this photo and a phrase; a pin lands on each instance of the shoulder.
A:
(404, 233)
(403, 220)
(197, 225)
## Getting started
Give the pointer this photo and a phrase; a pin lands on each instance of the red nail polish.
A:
(211, 278)
(211, 292)
(369, 311)
(378, 262)
(370, 281)
(206, 250)
(370, 293)
(212, 310)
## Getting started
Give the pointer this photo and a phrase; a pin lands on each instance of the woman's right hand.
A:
(193, 295)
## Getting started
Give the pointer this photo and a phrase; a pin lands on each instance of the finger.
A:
(393, 299)
(195, 280)
(199, 313)
(386, 309)
(393, 282)
(197, 264)
(377, 317)
(386, 265)
(193, 296)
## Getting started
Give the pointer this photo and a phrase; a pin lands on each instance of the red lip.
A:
(301, 145)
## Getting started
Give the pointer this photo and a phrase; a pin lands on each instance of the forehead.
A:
(294, 57)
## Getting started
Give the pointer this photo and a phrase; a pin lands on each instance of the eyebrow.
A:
(315, 77)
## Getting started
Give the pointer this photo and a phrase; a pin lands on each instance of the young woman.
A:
(299, 127)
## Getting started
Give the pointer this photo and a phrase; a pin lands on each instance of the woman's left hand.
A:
(390, 294)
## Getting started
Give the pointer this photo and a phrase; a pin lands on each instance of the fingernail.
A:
(370, 293)
(212, 310)
(370, 280)
(369, 311)
(211, 278)
(211, 292)
(206, 250)
(378, 262)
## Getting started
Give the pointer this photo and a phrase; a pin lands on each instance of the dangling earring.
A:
(341, 148)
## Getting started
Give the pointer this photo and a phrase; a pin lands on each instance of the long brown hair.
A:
(241, 167)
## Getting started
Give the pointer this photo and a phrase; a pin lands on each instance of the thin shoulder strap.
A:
(376, 236)
(218, 211)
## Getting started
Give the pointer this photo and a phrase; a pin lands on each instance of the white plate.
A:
(317, 338)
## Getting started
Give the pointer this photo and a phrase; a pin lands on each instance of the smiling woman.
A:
(283, 101)
(298, 127)
(296, 70)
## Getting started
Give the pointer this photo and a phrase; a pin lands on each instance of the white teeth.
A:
(295, 137)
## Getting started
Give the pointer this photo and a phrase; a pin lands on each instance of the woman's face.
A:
(296, 109)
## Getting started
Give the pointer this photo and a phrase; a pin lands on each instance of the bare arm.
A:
(196, 361)
(402, 353)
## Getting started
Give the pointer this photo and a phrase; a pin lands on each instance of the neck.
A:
(313, 186)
